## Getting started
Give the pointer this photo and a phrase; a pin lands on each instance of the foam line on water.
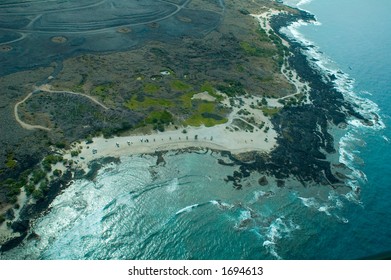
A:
(280, 228)
(189, 208)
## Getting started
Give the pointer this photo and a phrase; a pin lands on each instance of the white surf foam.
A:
(222, 205)
(277, 230)
(330, 207)
(187, 209)
(303, 2)
(296, 3)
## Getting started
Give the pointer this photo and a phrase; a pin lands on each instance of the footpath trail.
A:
(46, 88)
(22, 123)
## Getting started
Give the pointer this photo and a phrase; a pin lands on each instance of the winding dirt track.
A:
(22, 123)
(45, 88)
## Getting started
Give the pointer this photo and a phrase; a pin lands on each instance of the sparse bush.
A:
(2, 219)
(57, 172)
(29, 188)
(37, 194)
(74, 153)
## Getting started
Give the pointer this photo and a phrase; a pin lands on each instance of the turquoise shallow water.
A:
(185, 209)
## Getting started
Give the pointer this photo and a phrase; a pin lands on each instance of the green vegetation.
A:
(233, 88)
(103, 91)
(151, 88)
(11, 163)
(2, 219)
(267, 111)
(40, 192)
(148, 102)
(179, 85)
(258, 48)
(57, 172)
(12, 188)
(281, 49)
(186, 100)
(262, 35)
(78, 88)
(206, 113)
(208, 87)
(250, 49)
(49, 160)
(159, 119)
(37, 175)
(60, 145)
(29, 188)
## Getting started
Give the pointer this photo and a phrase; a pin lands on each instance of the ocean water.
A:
(186, 210)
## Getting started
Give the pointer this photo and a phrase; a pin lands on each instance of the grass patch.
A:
(198, 120)
(159, 119)
(186, 100)
(102, 89)
(151, 88)
(179, 85)
(11, 163)
(253, 50)
(270, 111)
(249, 49)
(206, 114)
(147, 102)
(207, 86)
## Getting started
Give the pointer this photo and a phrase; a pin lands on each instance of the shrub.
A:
(2, 219)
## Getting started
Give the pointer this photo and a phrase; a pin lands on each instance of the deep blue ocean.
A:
(185, 209)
